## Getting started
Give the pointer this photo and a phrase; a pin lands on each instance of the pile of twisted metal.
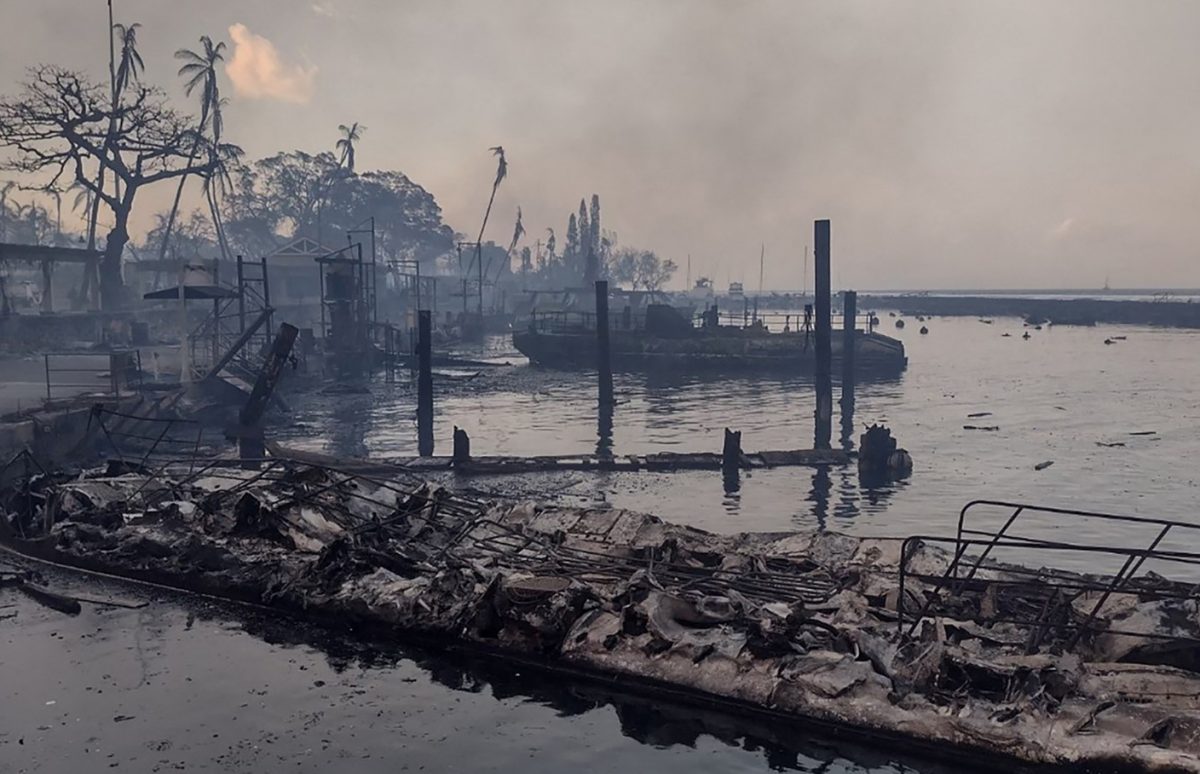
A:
(914, 644)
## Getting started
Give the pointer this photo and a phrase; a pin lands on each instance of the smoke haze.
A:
(1034, 143)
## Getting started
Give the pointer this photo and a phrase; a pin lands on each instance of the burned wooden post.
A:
(824, 328)
(462, 447)
(603, 351)
(849, 343)
(251, 447)
(424, 383)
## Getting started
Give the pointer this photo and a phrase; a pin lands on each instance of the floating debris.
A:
(979, 414)
(1043, 465)
(989, 428)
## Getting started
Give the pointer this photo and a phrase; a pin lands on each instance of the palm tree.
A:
(56, 195)
(130, 66)
(223, 157)
(8, 186)
(350, 135)
(200, 72)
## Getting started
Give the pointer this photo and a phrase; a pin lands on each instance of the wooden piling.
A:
(424, 383)
(603, 350)
(849, 341)
(731, 461)
(823, 429)
(462, 447)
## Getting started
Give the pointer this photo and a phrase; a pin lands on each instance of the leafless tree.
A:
(63, 126)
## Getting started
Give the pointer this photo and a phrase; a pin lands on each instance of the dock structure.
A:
(656, 462)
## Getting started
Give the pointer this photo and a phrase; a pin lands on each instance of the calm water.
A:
(1054, 397)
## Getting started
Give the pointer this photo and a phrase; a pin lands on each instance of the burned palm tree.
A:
(218, 181)
(199, 71)
(501, 173)
(130, 66)
(350, 135)
(518, 232)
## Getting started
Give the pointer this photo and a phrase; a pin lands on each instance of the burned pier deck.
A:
(657, 462)
(899, 641)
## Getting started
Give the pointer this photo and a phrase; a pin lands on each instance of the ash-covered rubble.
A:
(799, 625)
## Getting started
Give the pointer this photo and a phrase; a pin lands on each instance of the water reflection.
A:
(822, 485)
(604, 429)
(651, 721)
(351, 419)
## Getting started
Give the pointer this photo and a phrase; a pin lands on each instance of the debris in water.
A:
(979, 414)
(988, 428)
(1043, 465)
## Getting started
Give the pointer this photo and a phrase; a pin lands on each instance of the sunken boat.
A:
(926, 643)
(648, 333)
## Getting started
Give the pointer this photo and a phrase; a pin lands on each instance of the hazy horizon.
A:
(953, 145)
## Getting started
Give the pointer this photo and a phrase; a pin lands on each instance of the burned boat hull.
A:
(732, 349)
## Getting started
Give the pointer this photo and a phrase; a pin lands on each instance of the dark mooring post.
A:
(731, 460)
(424, 383)
(849, 339)
(824, 327)
(462, 447)
(603, 352)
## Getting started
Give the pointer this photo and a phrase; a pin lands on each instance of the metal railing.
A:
(120, 373)
(1048, 601)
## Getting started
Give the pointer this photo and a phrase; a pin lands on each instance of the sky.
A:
(981, 144)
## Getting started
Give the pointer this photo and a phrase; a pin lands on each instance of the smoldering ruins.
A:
(907, 640)
(279, 377)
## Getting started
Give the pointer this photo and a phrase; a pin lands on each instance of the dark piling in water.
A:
(424, 383)
(603, 350)
(824, 329)
(462, 447)
(731, 460)
(849, 315)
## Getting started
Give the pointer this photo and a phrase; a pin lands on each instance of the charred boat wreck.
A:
(901, 641)
(666, 337)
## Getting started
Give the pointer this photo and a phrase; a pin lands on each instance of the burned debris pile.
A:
(901, 639)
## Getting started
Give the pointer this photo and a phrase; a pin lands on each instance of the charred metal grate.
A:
(514, 549)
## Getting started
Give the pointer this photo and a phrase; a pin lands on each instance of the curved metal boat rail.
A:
(1042, 599)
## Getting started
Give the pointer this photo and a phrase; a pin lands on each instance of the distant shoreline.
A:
(1056, 311)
